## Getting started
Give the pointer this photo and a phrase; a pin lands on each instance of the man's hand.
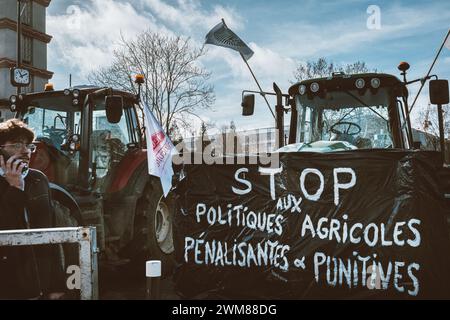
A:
(13, 171)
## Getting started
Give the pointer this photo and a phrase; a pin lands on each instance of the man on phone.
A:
(30, 272)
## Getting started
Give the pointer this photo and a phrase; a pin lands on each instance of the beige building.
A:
(34, 47)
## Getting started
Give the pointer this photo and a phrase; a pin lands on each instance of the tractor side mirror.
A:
(439, 96)
(248, 104)
(114, 108)
(439, 92)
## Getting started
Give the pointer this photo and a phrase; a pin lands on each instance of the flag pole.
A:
(429, 71)
(261, 92)
(257, 83)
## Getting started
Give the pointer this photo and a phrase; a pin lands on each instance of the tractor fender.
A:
(126, 172)
(66, 199)
(132, 176)
(142, 179)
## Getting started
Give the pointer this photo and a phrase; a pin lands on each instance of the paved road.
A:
(124, 284)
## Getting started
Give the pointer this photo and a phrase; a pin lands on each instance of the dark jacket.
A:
(19, 265)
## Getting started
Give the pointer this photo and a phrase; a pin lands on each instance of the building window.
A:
(27, 50)
(27, 14)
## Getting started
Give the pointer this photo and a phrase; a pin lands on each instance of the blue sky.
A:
(281, 33)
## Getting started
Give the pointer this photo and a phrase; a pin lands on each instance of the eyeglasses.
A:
(18, 146)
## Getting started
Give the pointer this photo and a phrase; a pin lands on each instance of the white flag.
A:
(222, 36)
(159, 151)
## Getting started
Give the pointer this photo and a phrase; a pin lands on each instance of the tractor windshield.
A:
(343, 121)
(52, 119)
(358, 126)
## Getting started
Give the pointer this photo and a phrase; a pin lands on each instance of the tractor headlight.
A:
(75, 138)
(314, 87)
(66, 92)
(375, 83)
(73, 146)
(76, 93)
(13, 99)
(302, 89)
(360, 83)
(13, 108)
(75, 102)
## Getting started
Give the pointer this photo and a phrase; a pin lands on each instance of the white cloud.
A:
(189, 14)
(336, 35)
(85, 38)
(85, 48)
(267, 65)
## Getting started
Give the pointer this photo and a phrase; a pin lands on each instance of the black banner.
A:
(356, 224)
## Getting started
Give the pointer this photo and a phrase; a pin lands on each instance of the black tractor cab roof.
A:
(346, 91)
(72, 98)
(84, 90)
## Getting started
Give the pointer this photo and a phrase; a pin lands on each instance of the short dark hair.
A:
(15, 130)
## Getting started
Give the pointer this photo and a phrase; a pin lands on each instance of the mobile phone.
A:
(6, 157)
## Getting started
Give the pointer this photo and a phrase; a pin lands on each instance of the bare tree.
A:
(203, 139)
(428, 120)
(232, 126)
(323, 68)
(175, 86)
(229, 138)
(175, 133)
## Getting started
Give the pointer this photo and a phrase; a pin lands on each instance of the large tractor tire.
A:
(153, 229)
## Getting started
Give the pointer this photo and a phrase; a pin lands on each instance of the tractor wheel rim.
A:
(163, 228)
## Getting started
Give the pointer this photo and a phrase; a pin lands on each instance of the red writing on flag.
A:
(161, 155)
(161, 147)
(157, 139)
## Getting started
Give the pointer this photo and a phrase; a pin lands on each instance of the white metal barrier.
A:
(86, 237)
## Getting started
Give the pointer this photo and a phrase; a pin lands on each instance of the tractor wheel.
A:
(153, 233)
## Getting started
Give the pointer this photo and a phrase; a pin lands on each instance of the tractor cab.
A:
(72, 136)
(348, 112)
